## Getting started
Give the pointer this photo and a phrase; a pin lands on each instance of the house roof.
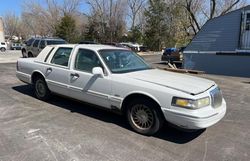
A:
(219, 34)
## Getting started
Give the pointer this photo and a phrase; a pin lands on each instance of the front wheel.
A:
(144, 117)
(24, 54)
(42, 91)
(3, 49)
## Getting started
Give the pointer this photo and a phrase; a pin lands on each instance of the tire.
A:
(42, 91)
(30, 55)
(144, 116)
(3, 49)
(24, 54)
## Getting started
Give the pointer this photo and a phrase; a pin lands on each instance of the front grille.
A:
(216, 96)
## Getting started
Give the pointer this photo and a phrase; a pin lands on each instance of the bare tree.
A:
(135, 7)
(109, 17)
(199, 8)
(42, 19)
(70, 7)
(192, 7)
(11, 22)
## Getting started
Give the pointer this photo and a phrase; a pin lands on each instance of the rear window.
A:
(55, 42)
(61, 57)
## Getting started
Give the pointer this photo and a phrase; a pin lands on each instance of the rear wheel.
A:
(144, 117)
(42, 91)
(30, 55)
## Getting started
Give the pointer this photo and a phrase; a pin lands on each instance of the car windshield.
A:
(123, 61)
(55, 42)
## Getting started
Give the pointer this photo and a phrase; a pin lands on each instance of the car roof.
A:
(52, 39)
(46, 38)
(94, 47)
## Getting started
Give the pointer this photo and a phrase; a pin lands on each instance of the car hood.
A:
(182, 82)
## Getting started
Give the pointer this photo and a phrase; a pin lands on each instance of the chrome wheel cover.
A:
(142, 117)
(40, 88)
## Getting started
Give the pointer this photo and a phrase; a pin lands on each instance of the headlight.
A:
(189, 103)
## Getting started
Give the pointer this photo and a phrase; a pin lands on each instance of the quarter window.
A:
(86, 60)
(61, 56)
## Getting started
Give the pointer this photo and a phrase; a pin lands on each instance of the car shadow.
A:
(167, 133)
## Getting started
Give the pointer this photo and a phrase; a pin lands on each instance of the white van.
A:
(3, 46)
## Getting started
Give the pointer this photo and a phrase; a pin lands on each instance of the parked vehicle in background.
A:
(16, 46)
(3, 46)
(130, 46)
(115, 44)
(33, 46)
(171, 55)
(118, 79)
(143, 48)
(135, 47)
(87, 42)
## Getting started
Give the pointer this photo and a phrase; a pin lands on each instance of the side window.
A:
(86, 60)
(29, 42)
(247, 23)
(61, 56)
(42, 44)
(36, 43)
(2, 43)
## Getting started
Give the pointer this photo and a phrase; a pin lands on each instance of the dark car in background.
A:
(33, 46)
(144, 49)
(172, 55)
(16, 46)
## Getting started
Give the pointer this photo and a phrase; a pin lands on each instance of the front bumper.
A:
(189, 121)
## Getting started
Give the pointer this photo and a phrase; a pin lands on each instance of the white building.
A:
(1, 30)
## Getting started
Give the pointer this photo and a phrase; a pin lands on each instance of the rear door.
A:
(35, 49)
(42, 45)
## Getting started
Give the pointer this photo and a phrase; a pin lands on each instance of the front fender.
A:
(143, 93)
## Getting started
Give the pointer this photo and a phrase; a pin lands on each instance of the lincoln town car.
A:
(119, 79)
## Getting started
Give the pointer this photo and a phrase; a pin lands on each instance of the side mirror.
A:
(97, 71)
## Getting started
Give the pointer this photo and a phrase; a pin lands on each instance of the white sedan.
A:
(118, 79)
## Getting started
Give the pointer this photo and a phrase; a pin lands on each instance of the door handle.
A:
(74, 75)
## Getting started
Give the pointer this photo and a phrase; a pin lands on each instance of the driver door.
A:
(84, 85)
